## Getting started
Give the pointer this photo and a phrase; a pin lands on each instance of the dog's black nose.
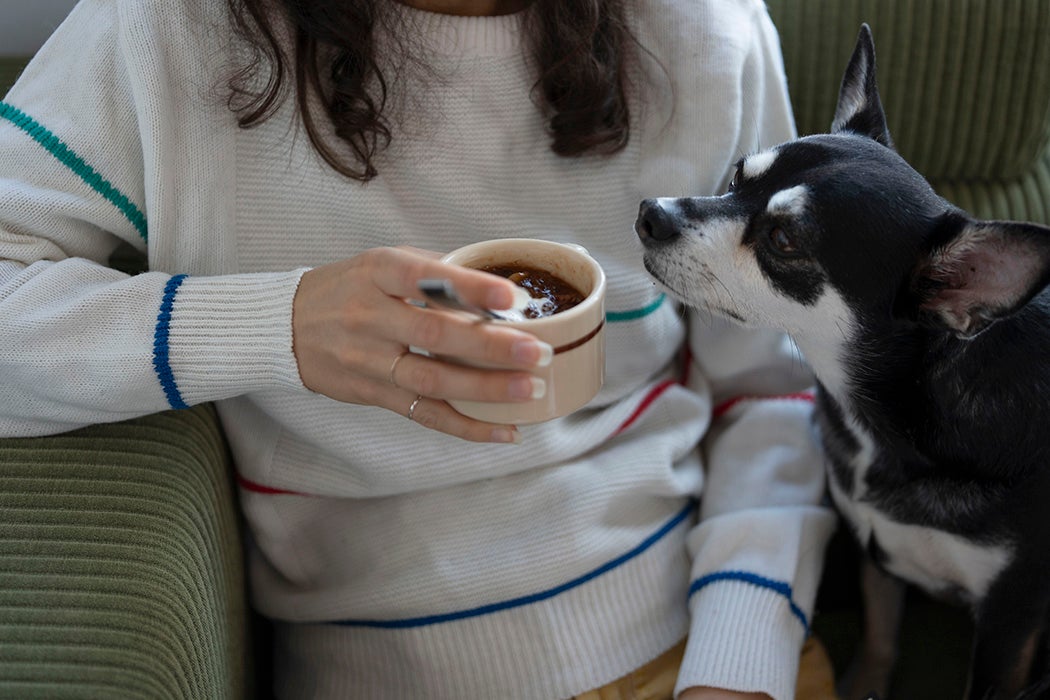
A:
(654, 223)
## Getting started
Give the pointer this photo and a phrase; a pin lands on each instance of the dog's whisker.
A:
(722, 284)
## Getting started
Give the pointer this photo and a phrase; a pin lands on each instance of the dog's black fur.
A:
(929, 334)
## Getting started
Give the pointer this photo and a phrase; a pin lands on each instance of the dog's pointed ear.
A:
(859, 108)
(984, 271)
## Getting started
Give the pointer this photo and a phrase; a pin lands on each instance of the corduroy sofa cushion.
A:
(965, 84)
(1025, 198)
(121, 570)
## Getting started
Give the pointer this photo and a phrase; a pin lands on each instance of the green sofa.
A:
(121, 571)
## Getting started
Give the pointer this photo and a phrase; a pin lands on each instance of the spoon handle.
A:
(440, 292)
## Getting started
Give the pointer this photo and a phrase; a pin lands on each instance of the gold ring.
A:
(412, 408)
(393, 366)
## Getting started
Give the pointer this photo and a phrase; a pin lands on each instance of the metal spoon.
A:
(440, 292)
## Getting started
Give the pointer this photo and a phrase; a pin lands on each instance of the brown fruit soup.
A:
(551, 293)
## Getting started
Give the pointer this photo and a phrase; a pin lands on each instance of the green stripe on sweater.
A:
(65, 155)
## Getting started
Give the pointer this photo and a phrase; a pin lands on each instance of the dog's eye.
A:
(737, 176)
(783, 243)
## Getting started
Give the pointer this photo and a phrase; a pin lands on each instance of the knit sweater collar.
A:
(464, 36)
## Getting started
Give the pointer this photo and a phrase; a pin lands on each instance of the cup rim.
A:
(586, 306)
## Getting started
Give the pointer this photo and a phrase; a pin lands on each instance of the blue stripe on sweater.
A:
(780, 587)
(65, 155)
(161, 361)
(405, 623)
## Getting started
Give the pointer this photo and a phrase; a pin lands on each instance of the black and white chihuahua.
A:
(929, 334)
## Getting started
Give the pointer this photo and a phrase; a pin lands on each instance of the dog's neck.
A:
(929, 397)
(880, 376)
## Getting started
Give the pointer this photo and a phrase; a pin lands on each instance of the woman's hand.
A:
(352, 328)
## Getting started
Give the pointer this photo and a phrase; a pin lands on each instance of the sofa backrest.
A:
(965, 84)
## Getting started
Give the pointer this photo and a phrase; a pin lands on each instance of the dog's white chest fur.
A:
(937, 561)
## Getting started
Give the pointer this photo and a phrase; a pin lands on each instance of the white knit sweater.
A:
(400, 562)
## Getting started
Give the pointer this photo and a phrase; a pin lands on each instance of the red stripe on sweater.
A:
(653, 395)
(726, 406)
(656, 391)
(249, 485)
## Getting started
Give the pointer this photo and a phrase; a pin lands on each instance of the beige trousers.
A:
(656, 680)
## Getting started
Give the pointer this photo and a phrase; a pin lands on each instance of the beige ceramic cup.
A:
(577, 370)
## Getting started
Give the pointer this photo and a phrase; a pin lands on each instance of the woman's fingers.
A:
(397, 272)
(438, 415)
(427, 411)
(461, 336)
(439, 379)
(350, 386)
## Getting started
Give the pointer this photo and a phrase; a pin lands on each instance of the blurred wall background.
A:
(26, 24)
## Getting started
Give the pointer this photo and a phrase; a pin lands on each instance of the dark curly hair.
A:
(580, 49)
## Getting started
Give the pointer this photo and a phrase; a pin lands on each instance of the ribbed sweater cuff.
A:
(218, 337)
(744, 638)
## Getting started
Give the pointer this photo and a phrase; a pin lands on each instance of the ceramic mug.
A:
(577, 334)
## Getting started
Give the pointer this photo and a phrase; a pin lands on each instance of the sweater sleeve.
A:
(759, 545)
(81, 343)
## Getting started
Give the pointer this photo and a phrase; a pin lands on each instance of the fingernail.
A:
(534, 352)
(506, 435)
(527, 388)
(546, 355)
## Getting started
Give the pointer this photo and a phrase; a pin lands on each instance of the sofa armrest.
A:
(121, 568)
